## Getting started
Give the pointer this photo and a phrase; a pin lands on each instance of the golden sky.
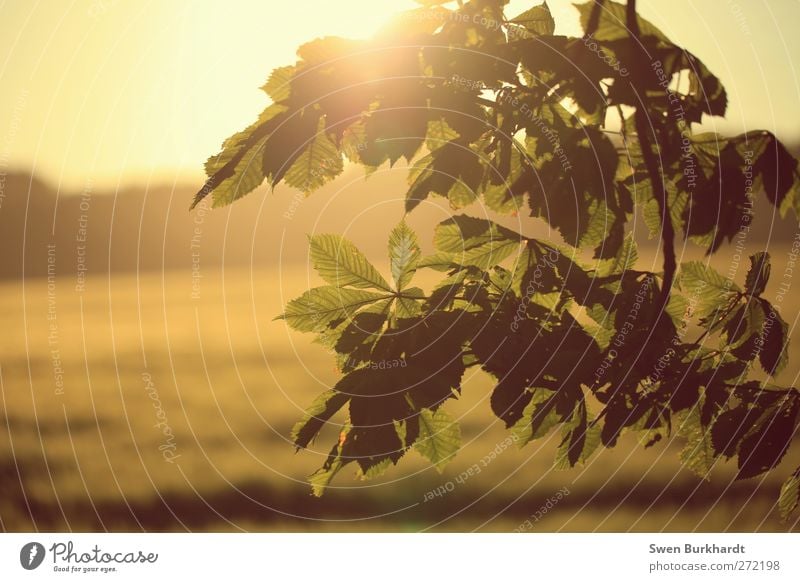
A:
(118, 90)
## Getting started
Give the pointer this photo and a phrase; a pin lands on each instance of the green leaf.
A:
(278, 86)
(764, 447)
(376, 470)
(244, 150)
(580, 438)
(758, 274)
(468, 241)
(463, 233)
(707, 287)
(651, 216)
(652, 212)
(354, 138)
(678, 309)
(777, 168)
(624, 260)
(599, 225)
(316, 415)
(790, 495)
(341, 264)
(440, 170)
(315, 309)
(708, 146)
(612, 24)
(489, 254)
(437, 262)
(538, 417)
(706, 93)
(505, 191)
(410, 304)
(319, 163)
(604, 331)
(444, 293)
(537, 20)
(439, 133)
(461, 195)
(439, 437)
(241, 140)
(745, 322)
(733, 425)
(322, 477)
(248, 175)
(404, 254)
(698, 455)
(353, 340)
(774, 353)
(401, 428)
(420, 174)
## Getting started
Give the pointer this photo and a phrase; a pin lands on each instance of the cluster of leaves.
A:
(570, 346)
(508, 113)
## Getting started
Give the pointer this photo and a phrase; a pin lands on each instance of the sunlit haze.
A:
(115, 91)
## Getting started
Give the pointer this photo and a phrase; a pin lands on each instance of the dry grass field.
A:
(134, 405)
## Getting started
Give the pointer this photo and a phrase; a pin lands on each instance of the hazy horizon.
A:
(110, 91)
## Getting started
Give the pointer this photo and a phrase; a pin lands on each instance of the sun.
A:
(225, 57)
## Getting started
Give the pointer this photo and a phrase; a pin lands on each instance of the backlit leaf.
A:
(774, 353)
(612, 25)
(321, 478)
(758, 274)
(341, 264)
(706, 287)
(763, 448)
(698, 454)
(464, 233)
(790, 495)
(537, 20)
(316, 415)
(242, 153)
(439, 437)
(278, 86)
(439, 133)
(315, 309)
(404, 254)
(318, 163)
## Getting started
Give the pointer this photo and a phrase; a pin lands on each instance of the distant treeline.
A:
(151, 228)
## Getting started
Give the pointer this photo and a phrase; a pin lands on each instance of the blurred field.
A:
(231, 382)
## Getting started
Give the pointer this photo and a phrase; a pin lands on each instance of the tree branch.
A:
(651, 163)
(594, 17)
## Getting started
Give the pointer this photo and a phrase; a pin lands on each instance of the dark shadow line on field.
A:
(157, 515)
